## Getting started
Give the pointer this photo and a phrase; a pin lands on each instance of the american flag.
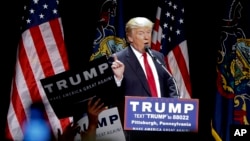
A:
(41, 53)
(169, 38)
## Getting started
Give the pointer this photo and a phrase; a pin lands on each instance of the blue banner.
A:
(161, 114)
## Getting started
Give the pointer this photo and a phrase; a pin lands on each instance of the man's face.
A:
(139, 37)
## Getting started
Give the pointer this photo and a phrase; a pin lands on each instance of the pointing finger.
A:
(115, 57)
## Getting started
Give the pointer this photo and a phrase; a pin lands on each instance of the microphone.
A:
(148, 50)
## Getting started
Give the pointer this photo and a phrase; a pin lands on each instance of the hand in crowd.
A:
(93, 110)
(69, 133)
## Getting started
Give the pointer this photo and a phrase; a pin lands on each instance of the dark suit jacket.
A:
(134, 82)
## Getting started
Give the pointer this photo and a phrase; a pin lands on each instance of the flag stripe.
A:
(157, 32)
(177, 66)
(57, 54)
(59, 65)
(47, 69)
(40, 52)
(14, 130)
(182, 59)
(17, 116)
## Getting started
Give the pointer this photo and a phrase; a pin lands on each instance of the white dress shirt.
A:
(152, 65)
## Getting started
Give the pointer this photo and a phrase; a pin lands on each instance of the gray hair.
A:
(137, 22)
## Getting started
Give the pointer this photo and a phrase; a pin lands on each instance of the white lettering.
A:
(134, 104)
(240, 132)
(146, 106)
(188, 107)
(174, 109)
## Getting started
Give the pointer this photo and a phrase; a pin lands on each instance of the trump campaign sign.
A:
(109, 126)
(161, 114)
(69, 91)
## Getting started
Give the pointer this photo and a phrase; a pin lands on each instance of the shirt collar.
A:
(137, 53)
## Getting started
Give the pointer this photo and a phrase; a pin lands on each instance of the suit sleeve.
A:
(172, 88)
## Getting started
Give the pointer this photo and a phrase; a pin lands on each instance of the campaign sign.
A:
(69, 91)
(109, 126)
(161, 114)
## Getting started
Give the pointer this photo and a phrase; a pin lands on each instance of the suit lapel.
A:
(137, 69)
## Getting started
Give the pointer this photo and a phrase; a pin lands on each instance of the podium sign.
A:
(161, 114)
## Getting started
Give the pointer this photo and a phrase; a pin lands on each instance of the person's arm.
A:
(118, 82)
(173, 91)
(94, 109)
(69, 132)
(172, 88)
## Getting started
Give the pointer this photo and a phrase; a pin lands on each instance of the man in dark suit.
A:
(128, 64)
(130, 72)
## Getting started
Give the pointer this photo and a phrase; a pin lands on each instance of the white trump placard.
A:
(109, 126)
